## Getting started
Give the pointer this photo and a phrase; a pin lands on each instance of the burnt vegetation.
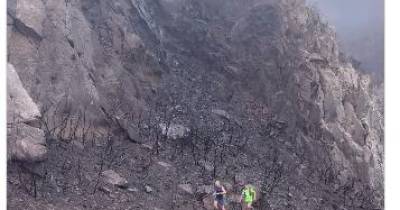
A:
(215, 146)
(240, 92)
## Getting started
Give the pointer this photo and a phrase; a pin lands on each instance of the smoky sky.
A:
(360, 28)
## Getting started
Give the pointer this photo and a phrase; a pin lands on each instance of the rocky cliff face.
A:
(25, 142)
(180, 92)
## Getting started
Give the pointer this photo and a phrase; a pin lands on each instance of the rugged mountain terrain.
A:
(143, 104)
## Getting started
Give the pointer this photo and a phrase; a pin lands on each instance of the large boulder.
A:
(174, 131)
(21, 107)
(130, 128)
(25, 142)
(113, 178)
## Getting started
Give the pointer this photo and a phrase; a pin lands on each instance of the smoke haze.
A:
(360, 28)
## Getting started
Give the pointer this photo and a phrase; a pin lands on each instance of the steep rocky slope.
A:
(171, 94)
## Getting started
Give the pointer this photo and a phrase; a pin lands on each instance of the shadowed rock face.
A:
(263, 76)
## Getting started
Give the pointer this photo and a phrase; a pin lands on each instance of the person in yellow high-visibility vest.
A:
(248, 197)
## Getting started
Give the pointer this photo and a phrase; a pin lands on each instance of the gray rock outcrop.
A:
(25, 142)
